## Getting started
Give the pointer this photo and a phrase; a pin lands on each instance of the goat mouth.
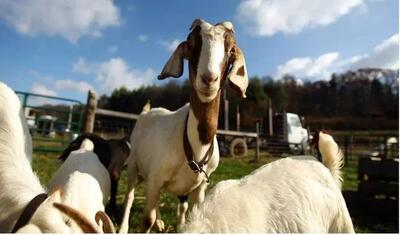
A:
(206, 92)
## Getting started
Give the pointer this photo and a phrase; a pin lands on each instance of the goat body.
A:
(84, 181)
(158, 154)
(111, 153)
(292, 195)
(18, 183)
(159, 133)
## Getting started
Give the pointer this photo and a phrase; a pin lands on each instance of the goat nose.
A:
(209, 78)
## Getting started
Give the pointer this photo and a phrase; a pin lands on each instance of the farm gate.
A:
(53, 121)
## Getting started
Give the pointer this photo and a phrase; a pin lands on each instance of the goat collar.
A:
(128, 144)
(29, 210)
(193, 164)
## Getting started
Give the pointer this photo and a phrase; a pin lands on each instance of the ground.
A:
(46, 164)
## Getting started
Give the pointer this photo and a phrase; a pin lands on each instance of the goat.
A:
(84, 181)
(178, 150)
(112, 154)
(292, 195)
(19, 185)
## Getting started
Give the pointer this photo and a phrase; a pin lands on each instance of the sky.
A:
(66, 47)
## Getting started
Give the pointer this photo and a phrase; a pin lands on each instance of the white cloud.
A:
(115, 73)
(41, 89)
(70, 19)
(385, 55)
(143, 38)
(306, 67)
(170, 45)
(113, 49)
(73, 85)
(81, 66)
(268, 17)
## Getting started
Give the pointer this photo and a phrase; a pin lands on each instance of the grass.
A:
(46, 164)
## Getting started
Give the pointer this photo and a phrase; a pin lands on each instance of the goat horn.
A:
(228, 25)
(78, 217)
(196, 22)
(108, 226)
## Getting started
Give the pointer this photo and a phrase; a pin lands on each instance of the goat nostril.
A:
(209, 78)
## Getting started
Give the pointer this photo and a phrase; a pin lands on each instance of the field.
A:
(46, 164)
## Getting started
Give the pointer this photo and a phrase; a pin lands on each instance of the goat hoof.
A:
(160, 226)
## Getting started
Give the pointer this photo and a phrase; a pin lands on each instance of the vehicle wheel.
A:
(238, 148)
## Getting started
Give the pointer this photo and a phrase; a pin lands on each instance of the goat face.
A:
(213, 56)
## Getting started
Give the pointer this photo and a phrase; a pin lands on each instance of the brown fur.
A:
(206, 113)
(240, 71)
(78, 217)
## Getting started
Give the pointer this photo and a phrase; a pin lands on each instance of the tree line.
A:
(353, 100)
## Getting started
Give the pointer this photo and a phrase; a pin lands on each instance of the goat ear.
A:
(174, 66)
(237, 76)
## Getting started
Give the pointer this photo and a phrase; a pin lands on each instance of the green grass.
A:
(46, 164)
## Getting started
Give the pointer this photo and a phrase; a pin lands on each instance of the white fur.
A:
(18, 183)
(332, 156)
(158, 157)
(211, 56)
(84, 181)
(293, 195)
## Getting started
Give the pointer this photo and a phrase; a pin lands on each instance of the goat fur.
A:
(111, 153)
(292, 195)
(18, 183)
(84, 181)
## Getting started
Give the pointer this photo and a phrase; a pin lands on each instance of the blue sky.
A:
(64, 48)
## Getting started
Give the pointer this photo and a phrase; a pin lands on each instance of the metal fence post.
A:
(90, 112)
(258, 142)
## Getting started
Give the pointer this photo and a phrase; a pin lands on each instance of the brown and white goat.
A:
(178, 150)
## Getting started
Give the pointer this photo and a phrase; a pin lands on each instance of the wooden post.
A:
(385, 150)
(271, 132)
(346, 152)
(237, 118)
(71, 108)
(90, 112)
(258, 142)
(285, 126)
(226, 112)
(351, 145)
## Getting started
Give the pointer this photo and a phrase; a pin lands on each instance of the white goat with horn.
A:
(24, 203)
(292, 195)
(178, 150)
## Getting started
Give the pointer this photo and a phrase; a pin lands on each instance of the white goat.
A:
(178, 150)
(293, 195)
(19, 185)
(84, 181)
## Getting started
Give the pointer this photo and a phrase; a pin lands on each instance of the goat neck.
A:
(202, 124)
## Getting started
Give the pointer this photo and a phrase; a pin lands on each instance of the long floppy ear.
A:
(174, 66)
(237, 76)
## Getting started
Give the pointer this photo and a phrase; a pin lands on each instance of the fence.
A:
(355, 146)
(53, 121)
(107, 123)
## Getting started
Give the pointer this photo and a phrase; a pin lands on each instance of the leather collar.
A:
(193, 164)
(29, 210)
